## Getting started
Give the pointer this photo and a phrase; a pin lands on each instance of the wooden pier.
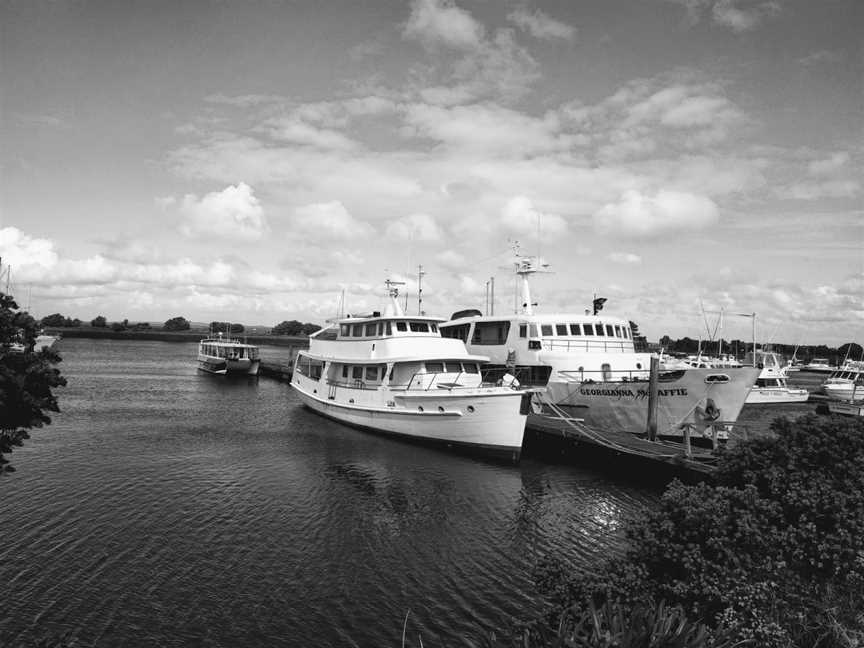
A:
(619, 451)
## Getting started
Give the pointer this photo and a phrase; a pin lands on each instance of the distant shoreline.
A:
(172, 336)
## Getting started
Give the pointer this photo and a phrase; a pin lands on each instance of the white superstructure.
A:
(393, 373)
(845, 384)
(590, 367)
(222, 356)
(771, 385)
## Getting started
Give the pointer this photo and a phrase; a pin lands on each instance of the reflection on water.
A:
(169, 507)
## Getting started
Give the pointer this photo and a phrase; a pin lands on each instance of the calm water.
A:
(166, 507)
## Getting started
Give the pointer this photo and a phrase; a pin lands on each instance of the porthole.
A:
(419, 408)
(470, 409)
(717, 378)
(638, 365)
(440, 409)
(350, 400)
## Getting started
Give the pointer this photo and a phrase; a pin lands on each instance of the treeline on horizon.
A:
(176, 324)
(738, 348)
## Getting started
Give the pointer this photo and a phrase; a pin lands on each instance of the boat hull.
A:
(495, 428)
(776, 395)
(846, 408)
(844, 392)
(701, 399)
(223, 366)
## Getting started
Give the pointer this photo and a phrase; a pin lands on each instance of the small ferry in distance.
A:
(593, 374)
(224, 356)
(771, 385)
(394, 374)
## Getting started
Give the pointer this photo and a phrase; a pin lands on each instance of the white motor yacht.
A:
(845, 384)
(771, 385)
(223, 356)
(591, 371)
(393, 373)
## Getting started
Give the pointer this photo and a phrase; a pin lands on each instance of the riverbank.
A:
(172, 336)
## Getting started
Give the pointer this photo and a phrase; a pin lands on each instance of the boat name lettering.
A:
(638, 394)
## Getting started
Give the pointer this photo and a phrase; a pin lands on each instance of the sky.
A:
(254, 161)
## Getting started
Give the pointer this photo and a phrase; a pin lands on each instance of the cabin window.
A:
(357, 330)
(470, 367)
(609, 330)
(388, 328)
(316, 368)
(370, 329)
(456, 332)
(344, 371)
(589, 329)
(435, 367)
(546, 329)
(523, 330)
(434, 327)
(617, 331)
(626, 332)
(490, 332)
(560, 329)
(380, 328)
(606, 369)
(357, 373)
(371, 373)
(344, 330)
(575, 329)
(419, 327)
(401, 326)
(532, 330)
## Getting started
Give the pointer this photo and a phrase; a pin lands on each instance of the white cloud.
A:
(25, 254)
(668, 211)
(233, 212)
(737, 15)
(539, 25)
(329, 221)
(416, 227)
(821, 56)
(450, 260)
(441, 23)
(825, 189)
(296, 131)
(625, 257)
(520, 216)
(826, 166)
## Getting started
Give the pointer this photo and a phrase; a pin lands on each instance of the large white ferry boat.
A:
(393, 373)
(223, 356)
(771, 385)
(591, 370)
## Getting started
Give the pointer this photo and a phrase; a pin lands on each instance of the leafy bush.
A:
(773, 553)
(176, 324)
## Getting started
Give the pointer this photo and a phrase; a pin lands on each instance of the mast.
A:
(420, 274)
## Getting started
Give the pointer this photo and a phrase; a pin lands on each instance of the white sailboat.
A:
(393, 373)
(590, 369)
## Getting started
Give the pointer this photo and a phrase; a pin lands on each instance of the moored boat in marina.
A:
(845, 384)
(771, 385)
(223, 356)
(395, 374)
(591, 371)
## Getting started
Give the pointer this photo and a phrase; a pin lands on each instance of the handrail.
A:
(578, 375)
(586, 345)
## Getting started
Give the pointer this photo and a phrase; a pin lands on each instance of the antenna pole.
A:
(420, 274)
(492, 295)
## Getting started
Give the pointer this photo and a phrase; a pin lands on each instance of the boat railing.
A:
(605, 375)
(553, 344)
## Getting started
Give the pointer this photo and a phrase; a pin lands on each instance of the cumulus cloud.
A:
(329, 221)
(233, 213)
(416, 227)
(667, 211)
(737, 15)
(24, 253)
(829, 165)
(539, 25)
(440, 23)
(520, 216)
(625, 257)
(296, 131)
(451, 260)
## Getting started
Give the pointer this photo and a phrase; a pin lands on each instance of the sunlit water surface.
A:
(167, 507)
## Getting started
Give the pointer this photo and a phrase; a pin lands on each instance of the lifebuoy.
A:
(712, 412)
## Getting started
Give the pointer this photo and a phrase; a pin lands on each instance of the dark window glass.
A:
(401, 326)
(389, 329)
(617, 331)
(435, 367)
(371, 373)
(589, 329)
(344, 330)
(371, 329)
(490, 332)
(523, 330)
(344, 371)
(546, 329)
(470, 367)
(357, 373)
(357, 330)
(575, 329)
(419, 327)
(560, 329)
(609, 330)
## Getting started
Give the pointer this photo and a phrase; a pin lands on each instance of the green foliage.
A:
(60, 321)
(176, 324)
(99, 322)
(773, 553)
(27, 378)
(226, 327)
(295, 328)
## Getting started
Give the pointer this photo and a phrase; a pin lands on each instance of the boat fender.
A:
(712, 412)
